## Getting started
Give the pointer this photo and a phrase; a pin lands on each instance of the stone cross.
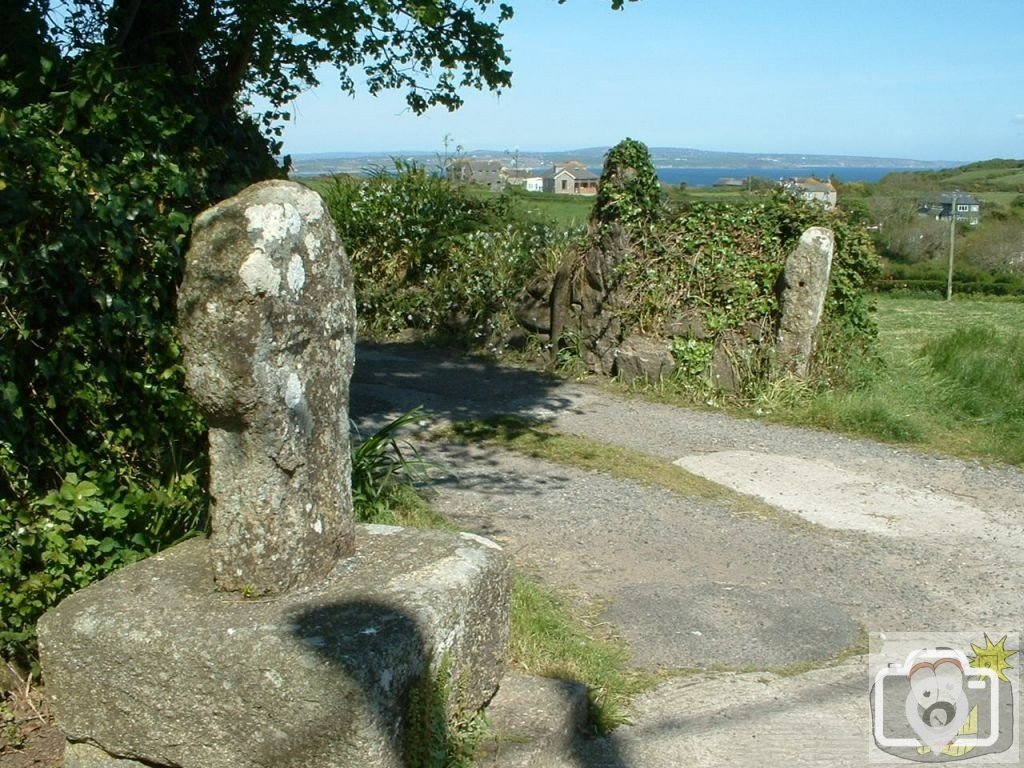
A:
(267, 316)
(805, 285)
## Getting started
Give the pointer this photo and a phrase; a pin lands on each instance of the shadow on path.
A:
(398, 377)
(391, 379)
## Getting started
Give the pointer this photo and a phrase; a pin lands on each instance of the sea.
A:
(708, 177)
(315, 165)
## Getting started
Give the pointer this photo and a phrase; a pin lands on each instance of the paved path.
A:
(867, 537)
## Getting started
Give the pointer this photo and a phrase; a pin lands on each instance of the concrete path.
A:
(866, 538)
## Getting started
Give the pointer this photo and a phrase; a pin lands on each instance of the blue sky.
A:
(924, 80)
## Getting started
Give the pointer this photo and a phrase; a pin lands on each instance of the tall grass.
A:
(950, 379)
(385, 473)
(982, 376)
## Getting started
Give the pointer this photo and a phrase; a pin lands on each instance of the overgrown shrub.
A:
(629, 191)
(428, 256)
(101, 452)
(725, 261)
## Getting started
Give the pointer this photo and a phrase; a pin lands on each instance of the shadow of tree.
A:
(391, 378)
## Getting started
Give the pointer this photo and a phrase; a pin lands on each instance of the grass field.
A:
(1000, 198)
(950, 380)
(566, 210)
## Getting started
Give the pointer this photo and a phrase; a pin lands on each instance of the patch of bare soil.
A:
(28, 736)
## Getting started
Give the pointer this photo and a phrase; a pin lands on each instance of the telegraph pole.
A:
(952, 241)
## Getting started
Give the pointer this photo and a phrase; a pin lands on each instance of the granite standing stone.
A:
(267, 317)
(805, 285)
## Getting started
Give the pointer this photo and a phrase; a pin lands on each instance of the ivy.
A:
(102, 455)
(629, 191)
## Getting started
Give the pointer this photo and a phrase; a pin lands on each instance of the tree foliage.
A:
(120, 120)
(220, 50)
(101, 452)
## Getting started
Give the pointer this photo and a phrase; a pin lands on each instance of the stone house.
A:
(968, 207)
(813, 191)
(571, 178)
(486, 173)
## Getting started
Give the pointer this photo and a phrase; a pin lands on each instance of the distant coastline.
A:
(695, 168)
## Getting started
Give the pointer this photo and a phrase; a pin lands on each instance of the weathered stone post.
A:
(805, 285)
(160, 665)
(268, 322)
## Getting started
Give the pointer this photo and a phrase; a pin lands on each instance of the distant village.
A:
(574, 178)
(569, 178)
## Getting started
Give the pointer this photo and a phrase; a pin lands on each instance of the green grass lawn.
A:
(950, 380)
(566, 210)
(1000, 198)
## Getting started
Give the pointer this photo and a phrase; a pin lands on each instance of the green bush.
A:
(629, 190)
(428, 256)
(101, 451)
(932, 277)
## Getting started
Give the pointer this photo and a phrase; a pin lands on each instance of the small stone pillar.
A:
(267, 316)
(805, 285)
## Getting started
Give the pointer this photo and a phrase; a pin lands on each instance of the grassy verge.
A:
(551, 638)
(541, 442)
(950, 380)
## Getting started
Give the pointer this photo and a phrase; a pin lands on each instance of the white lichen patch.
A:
(294, 396)
(296, 273)
(318, 526)
(259, 275)
(310, 205)
(273, 222)
(312, 244)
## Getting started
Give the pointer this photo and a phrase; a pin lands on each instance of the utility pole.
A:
(952, 242)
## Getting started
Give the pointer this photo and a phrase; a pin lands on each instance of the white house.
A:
(527, 179)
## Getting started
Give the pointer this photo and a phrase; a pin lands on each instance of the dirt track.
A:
(868, 537)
